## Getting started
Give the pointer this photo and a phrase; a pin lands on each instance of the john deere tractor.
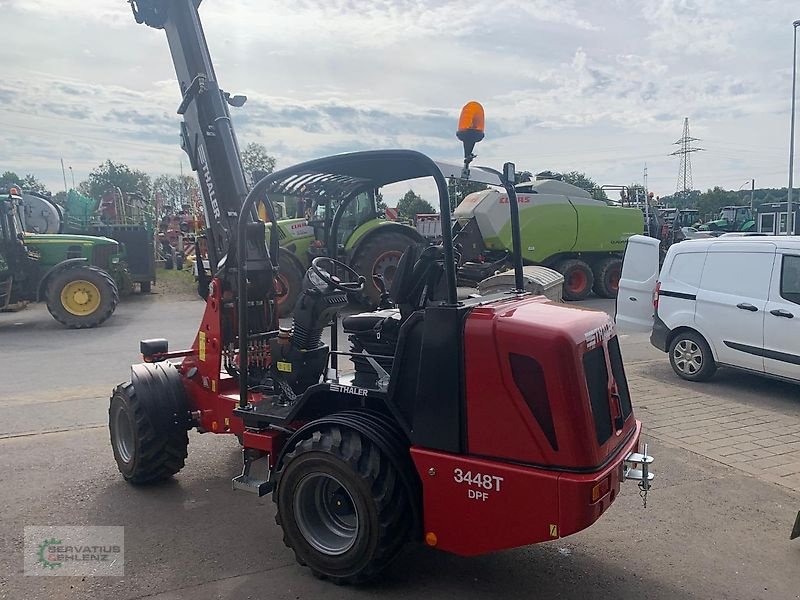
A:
(72, 273)
(371, 246)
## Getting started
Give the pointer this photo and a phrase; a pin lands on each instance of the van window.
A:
(640, 264)
(687, 268)
(744, 274)
(790, 279)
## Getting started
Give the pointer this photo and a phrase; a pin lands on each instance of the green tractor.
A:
(69, 272)
(732, 218)
(371, 246)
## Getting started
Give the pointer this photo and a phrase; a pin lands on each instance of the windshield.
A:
(358, 211)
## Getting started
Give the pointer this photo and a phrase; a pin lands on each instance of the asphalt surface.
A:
(709, 531)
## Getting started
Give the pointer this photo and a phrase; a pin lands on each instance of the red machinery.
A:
(506, 411)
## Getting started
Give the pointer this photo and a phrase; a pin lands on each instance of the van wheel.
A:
(578, 278)
(690, 357)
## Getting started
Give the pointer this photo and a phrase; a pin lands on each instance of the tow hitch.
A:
(636, 466)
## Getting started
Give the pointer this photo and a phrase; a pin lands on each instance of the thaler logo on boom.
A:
(212, 194)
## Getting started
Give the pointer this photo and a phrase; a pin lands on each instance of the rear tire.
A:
(379, 256)
(82, 297)
(342, 506)
(578, 278)
(144, 452)
(690, 356)
(291, 277)
(606, 277)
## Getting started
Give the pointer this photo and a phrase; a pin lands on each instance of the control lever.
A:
(384, 301)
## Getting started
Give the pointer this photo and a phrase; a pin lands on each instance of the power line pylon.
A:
(684, 186)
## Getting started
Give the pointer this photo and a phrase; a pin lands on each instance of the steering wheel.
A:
(332, 280)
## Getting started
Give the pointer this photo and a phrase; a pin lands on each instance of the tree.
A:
(28, 182)
(255, 159)
(411, 204)
(583, 181)
(110, 175)
(379, 203)
(173, 191)
(711, 201)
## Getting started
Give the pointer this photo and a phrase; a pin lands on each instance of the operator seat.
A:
(416, 279)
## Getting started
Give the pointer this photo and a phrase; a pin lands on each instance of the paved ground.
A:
(716, 525)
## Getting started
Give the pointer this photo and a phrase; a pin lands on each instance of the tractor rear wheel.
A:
(82, 297)
(291, 278)
(578, 278)
(144, 452)
(379, 256)
(342, 505)
(606, 277)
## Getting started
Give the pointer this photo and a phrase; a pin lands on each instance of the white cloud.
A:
(566, 85)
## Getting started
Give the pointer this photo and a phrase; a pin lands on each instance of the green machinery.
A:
(371, 246)
(562, 227)
(72, 273)
(117, 215)
(732, 218)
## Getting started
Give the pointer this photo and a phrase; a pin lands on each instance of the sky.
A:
(600, 86)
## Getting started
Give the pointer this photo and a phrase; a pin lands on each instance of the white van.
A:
(724, 301)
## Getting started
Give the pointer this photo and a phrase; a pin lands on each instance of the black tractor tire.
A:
(179, 261)
(145, 287)
(291, 278)
(379, 255)
(81, 315)
(578, 278)
(144, 453)
(364, 489)
(606, 277)
(690, 356)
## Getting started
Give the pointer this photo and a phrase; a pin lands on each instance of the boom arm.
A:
(207, 133)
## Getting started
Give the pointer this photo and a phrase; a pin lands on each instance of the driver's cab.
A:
(356, 213)
(736, 214)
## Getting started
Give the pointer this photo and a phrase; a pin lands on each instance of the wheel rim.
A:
(386, 265)
(123, 436)
(688, 357)
(80, 297)
(325, 514)
(576, 282)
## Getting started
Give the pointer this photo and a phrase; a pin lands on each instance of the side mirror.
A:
(236, 101)
(510, 173)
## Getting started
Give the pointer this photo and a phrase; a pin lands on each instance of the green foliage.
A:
(27, 182)
(583, 181)
(256, 159)
(110, 175)
(412, 204)
(173, 191)
(710, 202)
(379, 203)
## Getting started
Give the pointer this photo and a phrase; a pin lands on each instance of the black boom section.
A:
(206, 131)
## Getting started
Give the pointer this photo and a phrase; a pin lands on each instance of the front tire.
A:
(82, 297)
(380, 255)
(144, 453)
(342, 506)
(578, 278)
(690, 357)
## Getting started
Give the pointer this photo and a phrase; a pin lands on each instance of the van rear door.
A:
(636, 285)
(782, 317)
